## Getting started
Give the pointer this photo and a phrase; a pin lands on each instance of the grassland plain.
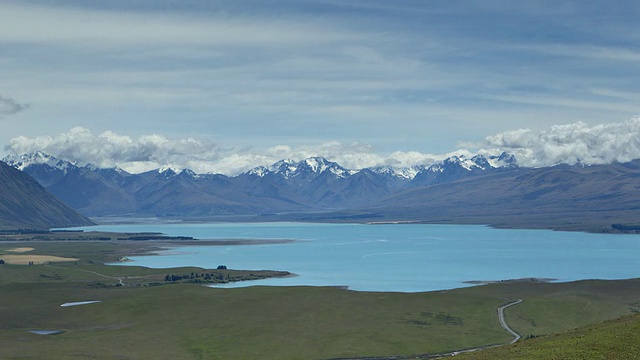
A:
(142, 320)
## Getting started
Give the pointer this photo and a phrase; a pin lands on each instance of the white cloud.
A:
(570, 144)
(111, 149)
(9, 106)
(153, 151)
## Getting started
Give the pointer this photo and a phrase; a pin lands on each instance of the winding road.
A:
(503, 323)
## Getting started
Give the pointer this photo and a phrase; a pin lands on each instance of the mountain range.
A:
(481, 190)
(313, 184)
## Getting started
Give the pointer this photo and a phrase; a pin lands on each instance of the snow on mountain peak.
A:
(459, 161)
(164, 169)
(406, 173)
(189, 173)
(167, 172)
(319, 165)
(481, 162)
(310, 167)
(259, 171)
(23, 161)
(284, 167)
(316, 164)
(289, 169)
(504, 160)
(476, 163)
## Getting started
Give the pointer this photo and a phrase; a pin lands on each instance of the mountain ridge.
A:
(478, 189)
(312, 184)
(25, 204)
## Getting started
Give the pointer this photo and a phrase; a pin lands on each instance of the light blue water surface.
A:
(398, 257)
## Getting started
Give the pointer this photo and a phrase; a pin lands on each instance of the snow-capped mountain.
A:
(477, 162)
(504, 160)
(457, 167)
(23, 161)
(405, 174)
(259, 171)
(285, 168)
(166, 172)
(477, 189)
(320, 165)
(45, 168)
(287, 185)
(290, 169)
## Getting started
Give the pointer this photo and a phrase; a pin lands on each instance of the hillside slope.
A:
(26, 204)
(613, 339)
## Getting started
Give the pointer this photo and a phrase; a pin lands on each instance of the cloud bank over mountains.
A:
(569, 144)
(148, 152)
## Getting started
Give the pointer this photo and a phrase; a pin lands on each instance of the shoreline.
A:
(496, 223)
(150, 248)
(509, 281)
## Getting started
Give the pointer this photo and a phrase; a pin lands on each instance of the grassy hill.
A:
(613, 339)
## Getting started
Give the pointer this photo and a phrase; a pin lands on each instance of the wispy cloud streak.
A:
(408, 74)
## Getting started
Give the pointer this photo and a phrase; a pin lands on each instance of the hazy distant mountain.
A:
(313, 184)
(459, 167)
(561, 197)
(459, 189)
(286, 186)
(26, 204)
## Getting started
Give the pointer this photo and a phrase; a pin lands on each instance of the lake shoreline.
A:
(398, 257)
(507, 281)
(493, 222)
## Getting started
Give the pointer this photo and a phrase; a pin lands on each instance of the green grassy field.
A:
(149, 318)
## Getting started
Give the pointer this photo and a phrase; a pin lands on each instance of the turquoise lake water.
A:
(398, 257)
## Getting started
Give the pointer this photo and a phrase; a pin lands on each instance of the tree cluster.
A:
(195, 277)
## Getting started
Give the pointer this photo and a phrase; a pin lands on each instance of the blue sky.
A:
(249, 81)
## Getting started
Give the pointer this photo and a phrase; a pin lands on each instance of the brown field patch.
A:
(21, 249)
(36, 259)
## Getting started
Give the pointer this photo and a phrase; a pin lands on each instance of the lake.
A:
(397, 257)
